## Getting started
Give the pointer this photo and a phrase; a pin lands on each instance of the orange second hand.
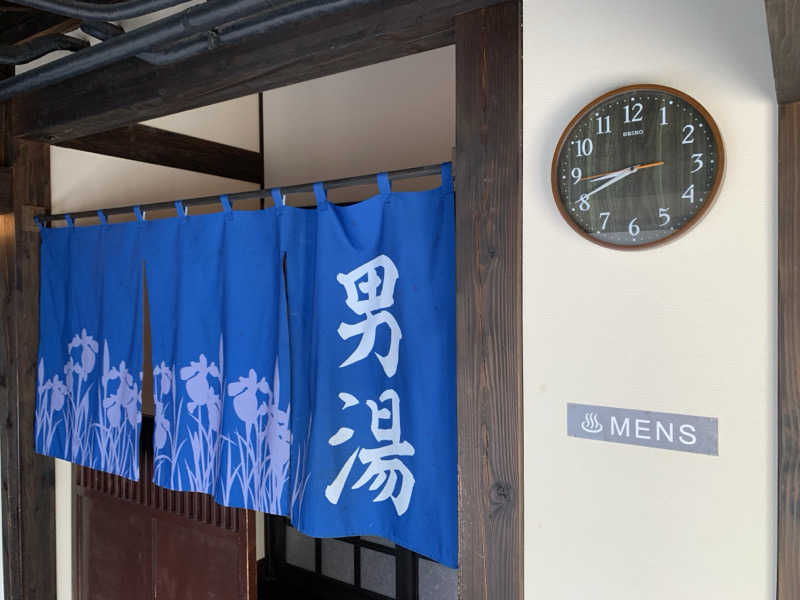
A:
(644, 166)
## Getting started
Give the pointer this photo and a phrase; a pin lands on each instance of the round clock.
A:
(637, 167)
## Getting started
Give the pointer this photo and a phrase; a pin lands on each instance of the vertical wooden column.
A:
(789, 351)
(489, 301)
(28, 480)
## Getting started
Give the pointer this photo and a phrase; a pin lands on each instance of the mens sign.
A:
(670, 431)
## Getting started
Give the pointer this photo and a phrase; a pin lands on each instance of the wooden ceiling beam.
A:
(783, 24)
(19, 27)
(134, 91)
(169, 149)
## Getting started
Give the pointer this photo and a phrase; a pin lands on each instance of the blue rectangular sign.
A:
(670, 431)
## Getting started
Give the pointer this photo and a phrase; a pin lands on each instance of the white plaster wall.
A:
(393, 115)
(689, 327)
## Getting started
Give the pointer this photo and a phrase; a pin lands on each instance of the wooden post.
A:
(789, 351)
(28, 479)
(489, 301)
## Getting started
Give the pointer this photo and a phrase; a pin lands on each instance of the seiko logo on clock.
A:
(636, 132)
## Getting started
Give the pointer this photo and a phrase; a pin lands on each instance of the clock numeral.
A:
(663, 213)
(585, 147)
(603, 125)
(636, 115)
(689, 194)
(663, 116)
(604, 216)
(698, 160)
(576, 175)
(583, 202)
(689, 137)
(633, 228)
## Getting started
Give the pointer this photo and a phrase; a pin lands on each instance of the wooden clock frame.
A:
(591, 106)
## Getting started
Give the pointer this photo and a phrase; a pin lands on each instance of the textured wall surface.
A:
(689, 327)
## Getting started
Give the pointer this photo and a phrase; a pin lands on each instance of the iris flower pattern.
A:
(94, 419)
(242, 461)
(90, 420)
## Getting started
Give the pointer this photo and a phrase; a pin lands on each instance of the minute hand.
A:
(622, 175)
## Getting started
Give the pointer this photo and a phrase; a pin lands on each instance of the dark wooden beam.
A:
(134, 91)
(10, 7)
(28, 479)
(783, 23)
(19, 27)
(169, 149)
(489, 301)
(6, 187)
(789, 352)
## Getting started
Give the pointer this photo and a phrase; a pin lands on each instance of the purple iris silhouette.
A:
(245, 401)
(162, 427)
(124, 399)
(58, 394)
(87, 348)
(163, 377)
(200, 391)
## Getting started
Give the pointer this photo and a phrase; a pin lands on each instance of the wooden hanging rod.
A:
(412, 173)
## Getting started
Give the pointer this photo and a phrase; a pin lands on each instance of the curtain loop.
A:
(384, 183)
(39, 224)
(226, 206)
(319, 192)
(278, 198)
(102, 215)
(447, 177)
(137, 210)
(181, 209)
(70, 221)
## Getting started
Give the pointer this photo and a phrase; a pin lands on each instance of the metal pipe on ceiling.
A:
(205, 18)
(193, 20)
(259, 24)
(92, 11)
(101, 30)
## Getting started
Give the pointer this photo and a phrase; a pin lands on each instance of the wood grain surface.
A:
(789, 352)
(489, 302)
(783, 23)
(133, 91)
(170, 149)
(28, 479)
(134, 540)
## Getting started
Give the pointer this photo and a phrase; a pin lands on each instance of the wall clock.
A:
(637, 167)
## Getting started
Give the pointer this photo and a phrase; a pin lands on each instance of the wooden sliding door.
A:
(135, 540)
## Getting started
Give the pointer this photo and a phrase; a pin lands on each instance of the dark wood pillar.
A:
(789, 351)
(489, 301)
(28, 480)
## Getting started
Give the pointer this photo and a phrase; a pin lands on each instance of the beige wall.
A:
(688, 327)
(84, 180)
(393, 115)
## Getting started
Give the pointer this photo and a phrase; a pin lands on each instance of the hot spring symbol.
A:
(590, 424)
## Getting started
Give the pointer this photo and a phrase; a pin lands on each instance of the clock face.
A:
(637, 166)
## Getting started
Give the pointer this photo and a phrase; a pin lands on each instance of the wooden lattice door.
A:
(136, 540)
